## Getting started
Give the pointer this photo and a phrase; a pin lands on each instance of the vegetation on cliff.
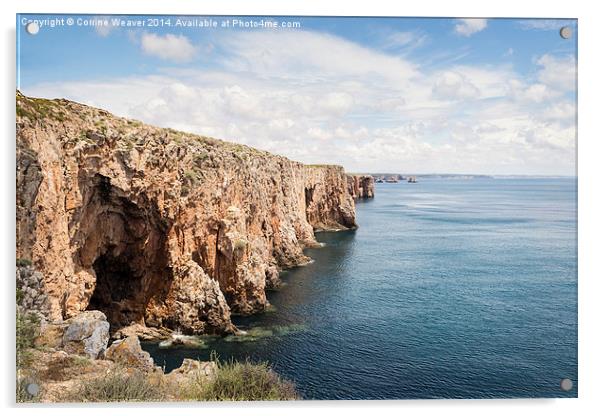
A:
(63, 377)
(28, 328)
(119, 386)
(242, 381)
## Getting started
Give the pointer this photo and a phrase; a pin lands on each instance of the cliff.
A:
(360, 186)
(160, 227)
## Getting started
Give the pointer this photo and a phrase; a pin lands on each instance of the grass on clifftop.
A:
(234, 381)
(242, 381)
(120, 386)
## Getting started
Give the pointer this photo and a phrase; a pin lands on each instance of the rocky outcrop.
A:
(144, 333)
(360, 186)
(130, 354)
(329, 205)
(61, 374)
(87, 334)
(31, 292)
(192, 370)
(157, 227)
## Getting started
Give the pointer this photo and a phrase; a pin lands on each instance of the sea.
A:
(450, 288)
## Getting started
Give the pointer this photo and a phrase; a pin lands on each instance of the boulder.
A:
(87, 333)
(142, 332)
(129, 353)
(192, 370)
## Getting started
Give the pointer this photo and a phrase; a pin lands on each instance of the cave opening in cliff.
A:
(117, 288)
(309, 196)
(124, 249)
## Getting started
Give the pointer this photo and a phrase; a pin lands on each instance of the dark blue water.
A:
(449, 289)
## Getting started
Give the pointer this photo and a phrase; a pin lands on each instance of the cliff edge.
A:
(160, 227)
(361, 186)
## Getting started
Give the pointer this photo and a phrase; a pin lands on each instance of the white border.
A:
(590, 207)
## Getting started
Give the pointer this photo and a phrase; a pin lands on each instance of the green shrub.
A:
(134, 123)
(119, 386)
(240, 244)
(199, 157)
(23, 262)
(242, 381)
(28, 328)
(191, 176)
(22, 112)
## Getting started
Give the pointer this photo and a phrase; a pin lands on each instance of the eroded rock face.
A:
(157, 227)
(329, 205)
(361, 186)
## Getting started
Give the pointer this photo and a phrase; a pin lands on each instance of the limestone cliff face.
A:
(160, 227)
(360, 186)
(329, 206)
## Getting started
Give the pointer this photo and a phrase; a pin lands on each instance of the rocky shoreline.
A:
(129, 232)
(61, 360)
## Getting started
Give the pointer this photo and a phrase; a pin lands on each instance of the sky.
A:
(407, 95)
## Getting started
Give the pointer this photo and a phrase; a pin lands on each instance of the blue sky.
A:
(493, 96)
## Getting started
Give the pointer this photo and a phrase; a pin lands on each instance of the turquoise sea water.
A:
(449, 289)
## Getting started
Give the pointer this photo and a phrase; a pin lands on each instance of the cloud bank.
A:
(325, 99)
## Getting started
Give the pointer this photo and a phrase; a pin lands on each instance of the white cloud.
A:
(311, 55)
(491, 81)
(319, 133)
(563, 111)
(454, 86)
(329, 100)
(177, 48)
(536, 93)
(468, 27)
(337, 103)
(557, 72)
(241, 103)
